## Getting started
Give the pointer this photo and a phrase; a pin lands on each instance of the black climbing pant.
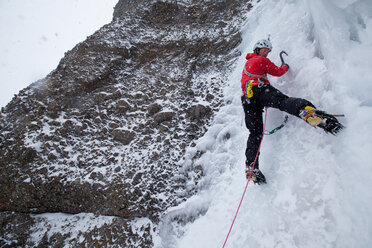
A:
(265, 96)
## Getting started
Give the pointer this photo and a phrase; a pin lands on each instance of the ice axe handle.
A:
(281, 56)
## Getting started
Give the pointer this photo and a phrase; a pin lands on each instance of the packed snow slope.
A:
(319, 186)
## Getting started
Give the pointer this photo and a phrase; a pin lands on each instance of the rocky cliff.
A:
(90, 156)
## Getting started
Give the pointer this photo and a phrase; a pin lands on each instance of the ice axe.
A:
(281, 56)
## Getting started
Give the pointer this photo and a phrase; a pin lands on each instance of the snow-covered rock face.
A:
(104, 133)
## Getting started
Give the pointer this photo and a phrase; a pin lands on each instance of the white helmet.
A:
(263, 44)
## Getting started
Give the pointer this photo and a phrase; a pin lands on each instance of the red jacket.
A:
(261, 66)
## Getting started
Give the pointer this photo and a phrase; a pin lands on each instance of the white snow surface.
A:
(51, 223)
(319, 185)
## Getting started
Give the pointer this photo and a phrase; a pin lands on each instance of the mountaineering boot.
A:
(317, 118)
(254, 175)
(308, 115)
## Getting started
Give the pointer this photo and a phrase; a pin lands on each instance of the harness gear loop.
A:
(260, 83)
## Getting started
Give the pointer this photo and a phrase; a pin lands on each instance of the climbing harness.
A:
(249, 85)
(249, 179)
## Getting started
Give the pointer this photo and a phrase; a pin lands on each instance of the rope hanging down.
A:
(249, 179)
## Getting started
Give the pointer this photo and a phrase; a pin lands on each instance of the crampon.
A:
(318, 118)
(329, 123)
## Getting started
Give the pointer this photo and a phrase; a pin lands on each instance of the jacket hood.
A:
(250, 55)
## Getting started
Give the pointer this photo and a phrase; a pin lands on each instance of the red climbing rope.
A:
(245, 189)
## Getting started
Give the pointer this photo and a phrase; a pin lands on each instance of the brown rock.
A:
(153, 108)
(123, 136)
(199, 112)
(163, 116)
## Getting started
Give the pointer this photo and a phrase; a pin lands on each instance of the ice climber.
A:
(258, 93)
